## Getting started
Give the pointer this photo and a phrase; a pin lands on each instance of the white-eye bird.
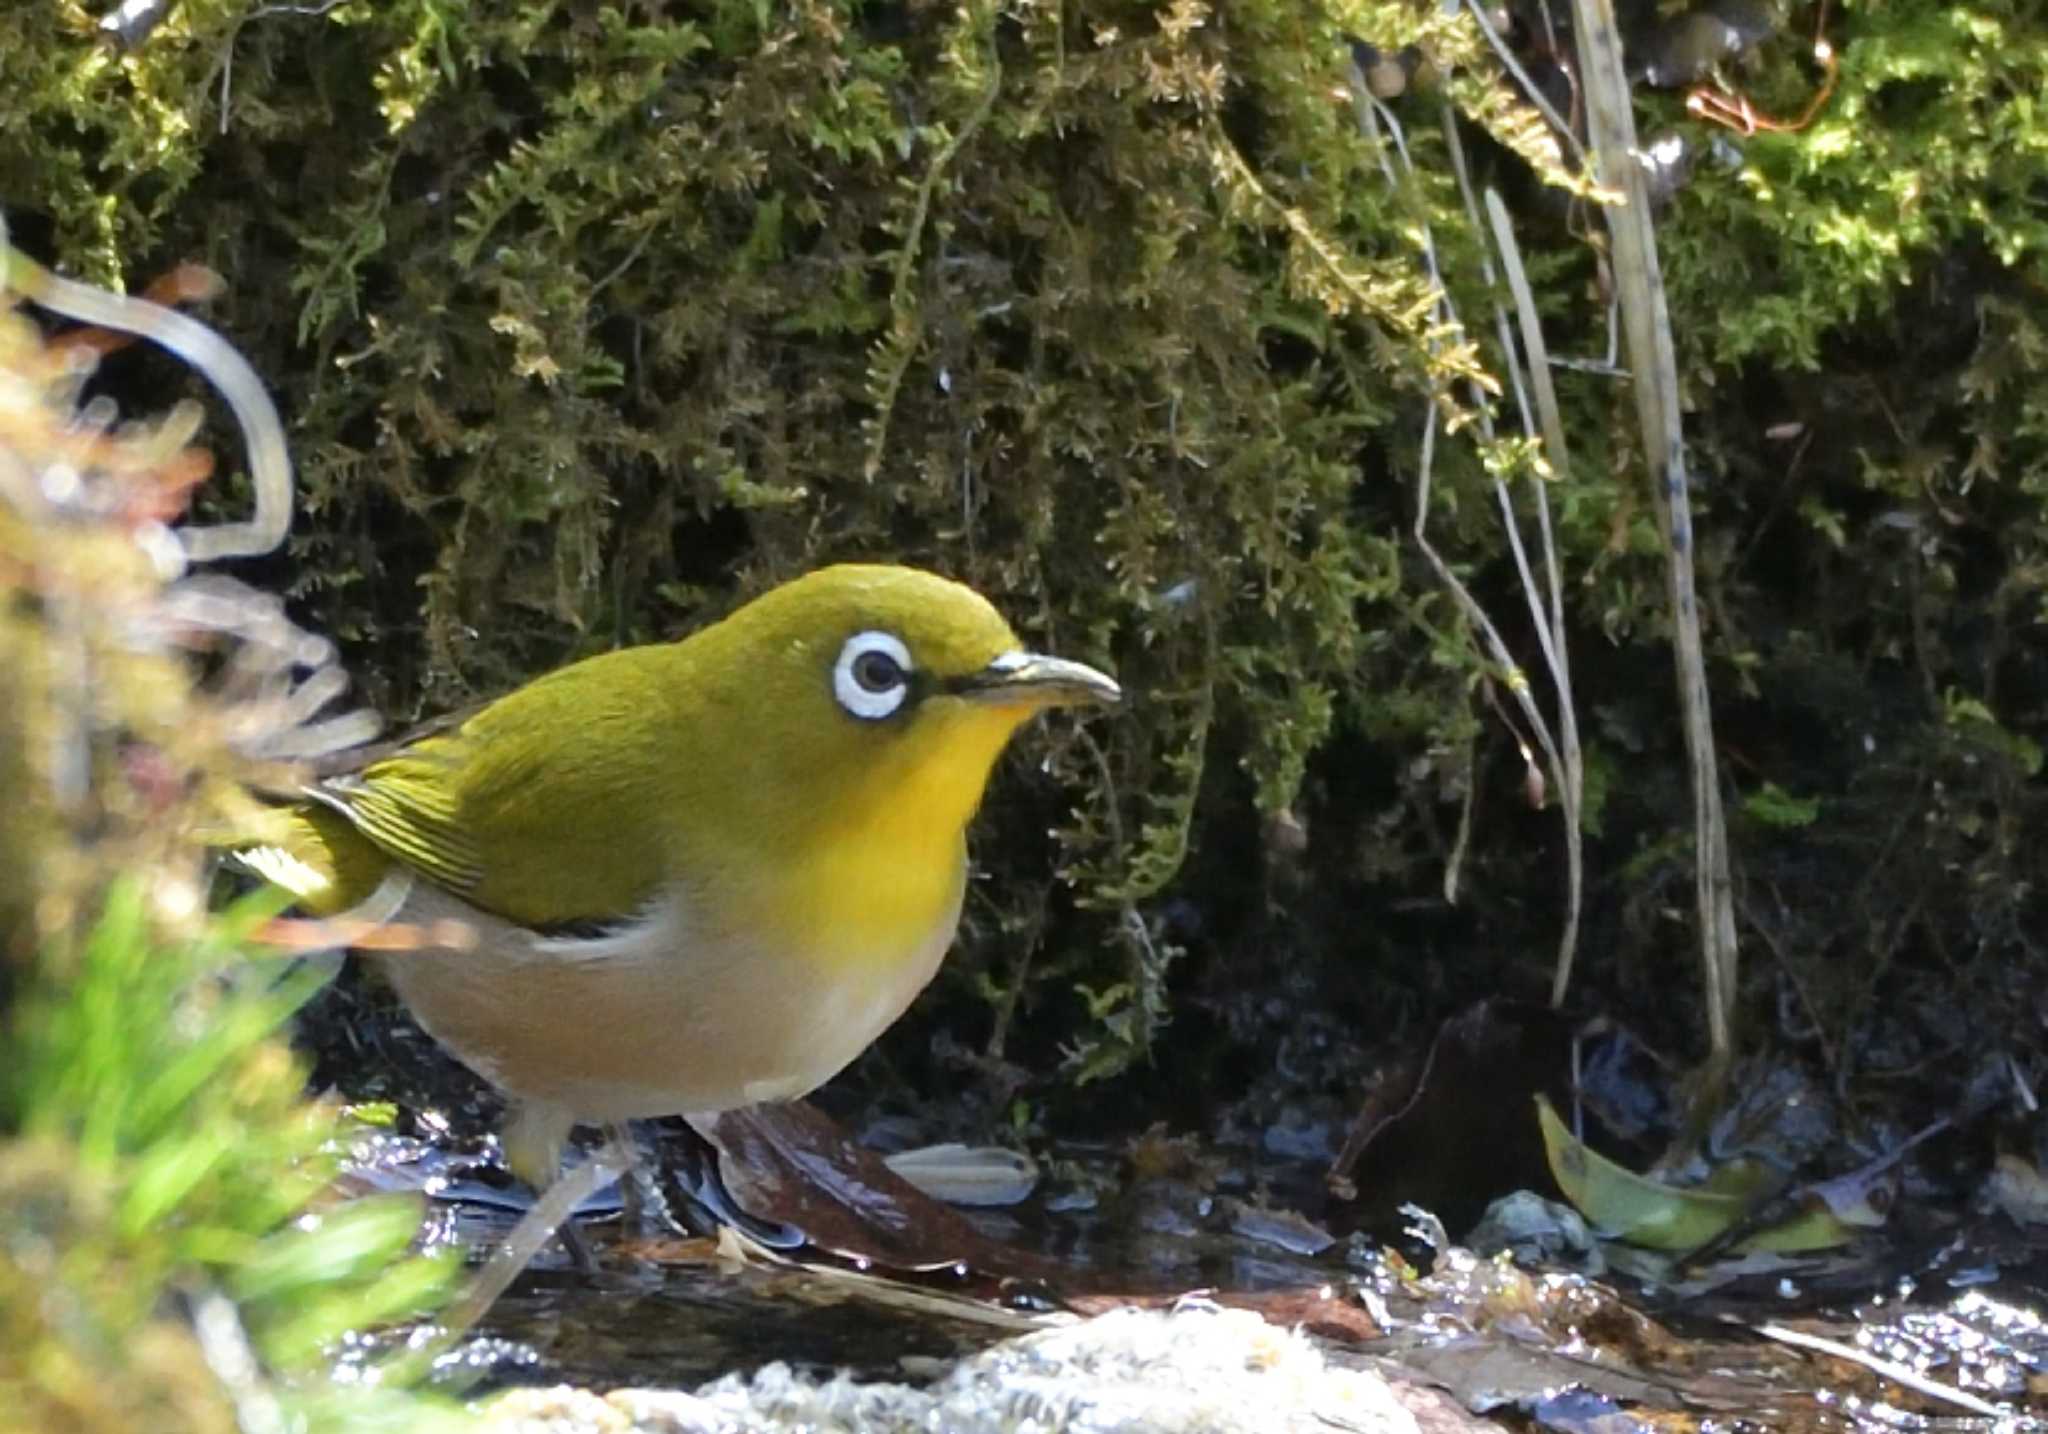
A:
(695, 875)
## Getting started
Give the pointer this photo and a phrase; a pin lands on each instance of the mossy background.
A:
(588, 320)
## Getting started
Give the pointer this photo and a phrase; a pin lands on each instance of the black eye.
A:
(878, 672)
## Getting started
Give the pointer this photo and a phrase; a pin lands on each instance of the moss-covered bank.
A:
(589, 318)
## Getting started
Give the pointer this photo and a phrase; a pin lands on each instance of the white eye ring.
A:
(872, 676)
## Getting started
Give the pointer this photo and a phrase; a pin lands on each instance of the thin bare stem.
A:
(1903, 1375)
(1563, 760)
(1646, 329)
(1530, 89)
(1555, 651)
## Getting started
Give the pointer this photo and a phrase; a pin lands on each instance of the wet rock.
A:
(1538, 1232)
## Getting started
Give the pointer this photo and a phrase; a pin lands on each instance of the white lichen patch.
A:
(1196, 1369)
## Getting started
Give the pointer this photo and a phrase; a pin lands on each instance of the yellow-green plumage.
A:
(696, 875)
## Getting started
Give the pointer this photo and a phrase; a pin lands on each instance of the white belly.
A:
(650, 1020)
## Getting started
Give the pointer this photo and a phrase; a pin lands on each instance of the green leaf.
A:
(1772, 805)
(1639, 1211)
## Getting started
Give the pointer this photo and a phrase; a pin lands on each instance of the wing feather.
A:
(416, 823)
(520, 809)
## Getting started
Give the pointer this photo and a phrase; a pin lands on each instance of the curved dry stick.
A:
(270, 464)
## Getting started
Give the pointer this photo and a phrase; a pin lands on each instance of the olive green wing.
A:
(409, 807)
(544, 807)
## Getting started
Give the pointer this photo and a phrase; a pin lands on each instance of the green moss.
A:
(159, 1148)
(591, 318)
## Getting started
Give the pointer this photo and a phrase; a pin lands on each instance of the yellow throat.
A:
(883, 865)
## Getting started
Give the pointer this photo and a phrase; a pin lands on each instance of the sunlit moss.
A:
(590, 319)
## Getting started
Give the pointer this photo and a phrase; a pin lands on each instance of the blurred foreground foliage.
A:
(593, 317)
(168, 1257)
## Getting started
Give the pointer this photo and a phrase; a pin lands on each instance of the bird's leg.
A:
(640, 1186)
(532, 1139)
(578, 1245)
(709, 1204)
(549, 1216)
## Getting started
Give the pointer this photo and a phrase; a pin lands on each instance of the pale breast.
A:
(655, 1016)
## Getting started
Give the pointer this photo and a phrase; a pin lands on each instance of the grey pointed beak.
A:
(1031, 679)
